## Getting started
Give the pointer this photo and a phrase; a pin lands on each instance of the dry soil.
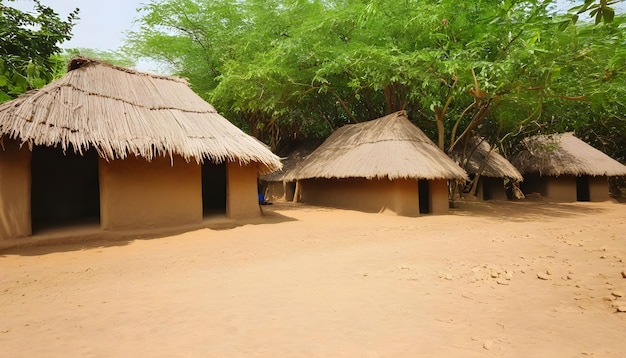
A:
(499, 279)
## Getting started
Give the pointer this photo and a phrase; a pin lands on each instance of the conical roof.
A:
(388, 147)
(564, 154)
(121, 112)
(479, 151)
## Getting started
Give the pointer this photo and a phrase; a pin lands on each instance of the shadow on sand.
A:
(88, 236)
(526, 210)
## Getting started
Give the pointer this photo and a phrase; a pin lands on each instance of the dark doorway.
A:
(534, 183)
(487, 188)
(213, 189)
(423, 191)
(65, 188)
(582, 188)
(290, 190)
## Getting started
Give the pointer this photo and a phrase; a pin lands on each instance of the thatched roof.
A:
(388, 147)
(122, 112)
(478, 151)
(564, 154)
(295, 155)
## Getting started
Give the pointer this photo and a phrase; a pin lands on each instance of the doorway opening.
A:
(65, 188)
(582, 188)
(213, 189)
(423, 192)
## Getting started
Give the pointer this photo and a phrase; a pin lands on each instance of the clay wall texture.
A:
(135, 193)
(399, 196)
(242, 193)
(15, 186)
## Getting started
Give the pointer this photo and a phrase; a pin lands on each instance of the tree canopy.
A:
(28, 43)
(502, 69)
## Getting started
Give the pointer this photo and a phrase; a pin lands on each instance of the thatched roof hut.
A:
(124, 149)
(562, 167)
(384, 164)
(277, 186)
(477, 154)
(479, 151)
(294, 155)
(389, 147)
(121, 112)
(564, 154)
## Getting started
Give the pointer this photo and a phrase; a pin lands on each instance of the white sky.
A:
(102, 24)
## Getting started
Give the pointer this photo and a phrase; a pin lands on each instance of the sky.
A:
(102, 24)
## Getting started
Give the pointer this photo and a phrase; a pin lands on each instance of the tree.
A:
(500, 69)
(117, 58)
(27, 45)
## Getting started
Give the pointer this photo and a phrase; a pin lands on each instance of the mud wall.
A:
(242, 194)
(561, 189)
(274, 191)
(279, 190)
(15, 184)
(135, 193)
(598, 188)
(376, 195)
(439, 203)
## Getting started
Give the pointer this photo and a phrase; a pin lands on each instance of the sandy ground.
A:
(318, 282)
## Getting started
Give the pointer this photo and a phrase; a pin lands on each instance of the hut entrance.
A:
(290, 190)
(487, 189)
(213, 189)
(65, 188)
(423, 192)
(582, 188)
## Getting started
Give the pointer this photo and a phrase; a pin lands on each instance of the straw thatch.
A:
(388, 147)
(478, 150)
(122, 112)
(564, 154)
(296, 155)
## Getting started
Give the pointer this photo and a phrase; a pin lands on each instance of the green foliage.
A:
(503, 69)
(27, 44)
(117, 58)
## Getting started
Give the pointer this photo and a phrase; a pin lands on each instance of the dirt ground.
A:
(499, 279)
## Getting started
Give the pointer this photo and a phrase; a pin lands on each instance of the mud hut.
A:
(277, 186)
(561, 167)
(478, 156)
(122, 149)
(383, 164)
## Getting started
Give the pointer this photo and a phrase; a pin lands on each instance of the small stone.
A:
(488, 344)
(502, 282)
(494, 274)
(508, 276)
(548, 272)
(542, 276)
(621, 308)
(617, 293)
(608, 298)
(623, 274)
(603, 257)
